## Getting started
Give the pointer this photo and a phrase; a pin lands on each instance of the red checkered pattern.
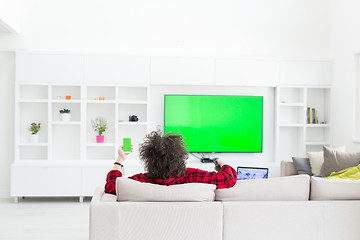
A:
(225, 178)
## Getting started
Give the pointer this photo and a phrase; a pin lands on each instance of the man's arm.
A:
(225, 178)
(115, 172)
(111, 181)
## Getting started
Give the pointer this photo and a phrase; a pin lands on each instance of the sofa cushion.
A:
(302, 165)
(132, 190)
(334, 189)
(335, 161)
(317, 159)
(294, 188)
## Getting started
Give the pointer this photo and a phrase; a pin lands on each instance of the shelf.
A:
(291, 95)
(106, 92)
(60, 92)
(101, 101)
(317, 143)
(132, 94)
(32, 92)
(33, 101)
(46, 163)
(34, 144)
(102, 160)
(132, 123)
(66, 123)
(291, 125)
(43, 84)
(292, 104)
(31, 162)
(132, 102)
(100, 144)
(66, 101)
(318, 125)
(66, 85)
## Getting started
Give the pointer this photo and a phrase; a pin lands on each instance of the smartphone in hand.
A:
(127, 144)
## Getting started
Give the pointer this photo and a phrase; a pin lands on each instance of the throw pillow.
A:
(135, 191)
(317, 159)
(351, 173)
(335, 161)
(302, 165)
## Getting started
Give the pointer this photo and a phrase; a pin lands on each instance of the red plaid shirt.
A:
(225, 178)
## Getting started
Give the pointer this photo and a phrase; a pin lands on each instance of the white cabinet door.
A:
(242, 72)
(180, 71)
(45, 181)
(93, 178)
(305, 73)
(53, 68)
(116, 69)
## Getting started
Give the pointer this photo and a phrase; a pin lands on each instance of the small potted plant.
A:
(99, 125)
(34, 129)
(65, 114)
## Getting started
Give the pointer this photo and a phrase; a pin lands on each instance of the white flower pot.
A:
(65, 117)
(34, 138)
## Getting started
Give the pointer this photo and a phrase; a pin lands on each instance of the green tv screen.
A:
(216, 123)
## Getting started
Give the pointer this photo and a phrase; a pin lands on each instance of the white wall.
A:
(346, 43)
(277, 28)
(7, 78)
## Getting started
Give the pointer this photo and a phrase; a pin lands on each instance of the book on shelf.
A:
(311, 116)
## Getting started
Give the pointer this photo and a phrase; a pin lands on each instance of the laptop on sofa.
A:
(245, 173)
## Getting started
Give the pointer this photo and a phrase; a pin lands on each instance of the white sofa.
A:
(277, 208)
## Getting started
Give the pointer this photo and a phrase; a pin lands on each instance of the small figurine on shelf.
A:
(68, 97)
(35, 128)
(99, 125)
(65, 114)
(101, 98)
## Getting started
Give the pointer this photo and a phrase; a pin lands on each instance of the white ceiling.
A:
(3, 29)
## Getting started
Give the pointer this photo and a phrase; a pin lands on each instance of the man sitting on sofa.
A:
(165, 162)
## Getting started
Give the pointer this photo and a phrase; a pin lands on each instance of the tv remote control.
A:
(217, 166)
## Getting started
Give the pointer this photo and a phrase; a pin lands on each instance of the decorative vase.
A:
(65, 117)
(99, 138)
(34, 138)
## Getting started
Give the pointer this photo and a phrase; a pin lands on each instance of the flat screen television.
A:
(214, 123)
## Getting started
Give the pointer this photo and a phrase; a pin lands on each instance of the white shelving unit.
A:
(69, 148)
(293, 135)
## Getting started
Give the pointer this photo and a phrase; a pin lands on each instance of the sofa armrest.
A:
(101, 196)
(154, 220)
(287, 169)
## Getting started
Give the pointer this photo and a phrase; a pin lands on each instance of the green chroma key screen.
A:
(216, 123)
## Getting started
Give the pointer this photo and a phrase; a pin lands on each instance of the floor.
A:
(44, 218)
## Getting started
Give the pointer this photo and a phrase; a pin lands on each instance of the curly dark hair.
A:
(164, 155)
